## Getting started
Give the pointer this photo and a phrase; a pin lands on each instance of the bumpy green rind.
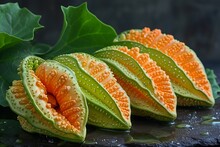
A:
(37, 123)
(102, 107)
(182, 84)
(41, 119)
(119, 63)
(53, 132)
(29, 81)
(100, 116)
(29, 128)
(154, 110)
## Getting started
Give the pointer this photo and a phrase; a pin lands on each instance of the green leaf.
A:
(16, 25)
(212, 79)
(10, 60)
(82, 31)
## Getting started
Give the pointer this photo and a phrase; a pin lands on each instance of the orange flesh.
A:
(17, 89)
(52, 100)
(137, 95)
(63, 94)
(161, 82)
(178, 51)
(103, 75)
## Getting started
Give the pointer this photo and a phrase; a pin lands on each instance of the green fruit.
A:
(48, 100)
(148, 86)
(109, 105)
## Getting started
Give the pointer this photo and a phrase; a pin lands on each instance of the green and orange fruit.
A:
(109, 104)
(49, 100)
(147, 85)
(188, 77)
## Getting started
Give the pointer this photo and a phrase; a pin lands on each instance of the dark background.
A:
(195, 22)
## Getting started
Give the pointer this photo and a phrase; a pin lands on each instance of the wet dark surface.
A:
(194, 126)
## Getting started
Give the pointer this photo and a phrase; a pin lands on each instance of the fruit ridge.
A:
(147, 85)
(160, 80)
(184, 57)
(104, 76)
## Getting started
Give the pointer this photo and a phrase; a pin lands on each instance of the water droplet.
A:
(172, 123)
(18, 141)
(212, 121)
(147, 141)
(204, 133)
(208, 117)
(49, 140)
(2, 122)
(114, 141)
(90, 142)
(183, 126)
(216, 122)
